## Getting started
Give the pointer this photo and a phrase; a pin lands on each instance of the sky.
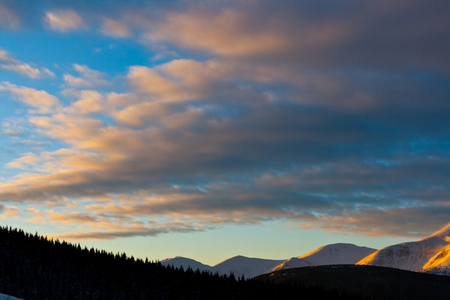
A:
(209, 129)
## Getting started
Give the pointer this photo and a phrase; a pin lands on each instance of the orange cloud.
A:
(12, 64)
(41, 100)
(235, 33)
(89, 78)
(226, 33)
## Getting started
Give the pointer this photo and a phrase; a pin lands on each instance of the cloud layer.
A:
(315, 117)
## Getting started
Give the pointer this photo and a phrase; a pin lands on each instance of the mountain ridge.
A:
(430, 254)
(332, 254)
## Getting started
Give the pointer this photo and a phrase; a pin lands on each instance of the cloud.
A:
(70, 218)
(89, 78)
(41, 100)
(89, 102)
(12, 127)
(411, 222)
(187, 80)
(309, 36)
(29, 159)
(121, 233)
(115, 29)
(17, 66)
(5, 56)
(12, 132)
(225, 33)
(8, 18)
(149, 81)
(102, 227)
(64, 20)
(32, 144)
(23, 69)
(141, 114)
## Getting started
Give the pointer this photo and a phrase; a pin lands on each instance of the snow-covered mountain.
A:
(238, 265)
(334, 254)
(245, 266)
(430, 254)
(184, 262)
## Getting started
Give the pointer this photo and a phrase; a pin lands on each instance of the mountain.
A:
(334, 254)
(429, 254)
(245, 266)
(186, 263)
(238, 266)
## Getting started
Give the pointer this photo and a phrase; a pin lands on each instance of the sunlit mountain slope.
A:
(427, 254)
(334, 254)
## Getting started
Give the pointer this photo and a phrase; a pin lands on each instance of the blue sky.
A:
(209, 129)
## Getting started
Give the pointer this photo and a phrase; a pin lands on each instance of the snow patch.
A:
(7, 297)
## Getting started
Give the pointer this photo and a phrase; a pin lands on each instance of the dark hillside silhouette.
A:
(370, 281)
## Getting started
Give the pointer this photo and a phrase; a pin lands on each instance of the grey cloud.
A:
(413, 221)
(114, 234)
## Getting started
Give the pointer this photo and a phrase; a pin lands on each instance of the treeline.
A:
(34, 267)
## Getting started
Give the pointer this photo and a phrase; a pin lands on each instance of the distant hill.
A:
(185, 263)
(377, 283)
(245, 266)
(238, 265)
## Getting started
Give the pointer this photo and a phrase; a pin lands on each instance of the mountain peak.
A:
(443, 233)
(332, 254)
(334, 249)
(184, 262)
